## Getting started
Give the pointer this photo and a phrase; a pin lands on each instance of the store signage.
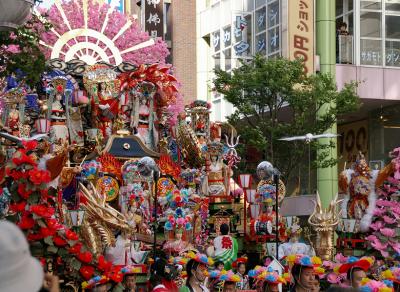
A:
(353, 139)
(154, 17)
(301, 32)
(242, 34)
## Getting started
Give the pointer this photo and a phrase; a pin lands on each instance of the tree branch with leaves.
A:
(273, 98)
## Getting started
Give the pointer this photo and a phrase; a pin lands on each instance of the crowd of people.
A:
(195, 272)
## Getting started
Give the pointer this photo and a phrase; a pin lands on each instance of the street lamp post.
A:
(245, 183)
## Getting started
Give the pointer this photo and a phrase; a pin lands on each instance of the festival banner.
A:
(154, 17)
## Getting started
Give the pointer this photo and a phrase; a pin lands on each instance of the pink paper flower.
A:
(388, 232)
(13, 49)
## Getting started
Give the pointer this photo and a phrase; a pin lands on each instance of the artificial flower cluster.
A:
(304, 260)
(34, 206)
(227, 276)
(368, 285)
(178, 220)
(200, 258)
(392, 274)
(90, 169)
(95, 281)
(385, 237)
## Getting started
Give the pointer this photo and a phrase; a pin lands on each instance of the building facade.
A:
(367, 51)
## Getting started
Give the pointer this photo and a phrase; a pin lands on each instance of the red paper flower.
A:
(42, 211)
(23, 192)
(26, 222)
(103, 265)
(15, 174)
(59, 241)
(70, 235)
(29, 145)
(45, 232)
(34, 236)
(24, 159)
(18, 207)
(38, 176)
(53, 224)
(115, 275)
(85, 257)
(75, 249)
(86, 272)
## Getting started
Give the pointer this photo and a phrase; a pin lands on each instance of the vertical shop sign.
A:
(242, 33)
(301, 32)
(154, 18)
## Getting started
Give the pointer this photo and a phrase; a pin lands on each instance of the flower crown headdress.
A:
(368, 285)
(304, 260)
(227, 276)
(93, 282)
(200, 258)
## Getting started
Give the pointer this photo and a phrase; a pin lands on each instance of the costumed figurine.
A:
(143, 114)
(217, 181)
(358, 184)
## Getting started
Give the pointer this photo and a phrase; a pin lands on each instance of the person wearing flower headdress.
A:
(356, 269)
(293, 246)
(240, 266)
(196, 269)
(303, 272)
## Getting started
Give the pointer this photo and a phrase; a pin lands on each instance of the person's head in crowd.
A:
(229, 286)
(219, 265)
(355, 276)
(270, 287)
(304, 277)
(195, 271)
(100, 288)
(130, 282)
(224, 229)
(267, 260)
(158, 271)
(241, 268)
(19, 270)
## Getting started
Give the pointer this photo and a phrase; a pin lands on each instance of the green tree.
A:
(273, 98)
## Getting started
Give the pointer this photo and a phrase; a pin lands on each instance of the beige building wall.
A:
(183, 19)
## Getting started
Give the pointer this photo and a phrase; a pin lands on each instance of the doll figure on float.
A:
(358, 184)
(294, 246)
(59, 134)
(108, 105)
(217, 181)
(143, 115)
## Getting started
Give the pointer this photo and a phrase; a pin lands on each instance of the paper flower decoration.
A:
(393, 274)
(200, 258)
(304, 260)
(93, 282)
(369, 285)
(364, 263)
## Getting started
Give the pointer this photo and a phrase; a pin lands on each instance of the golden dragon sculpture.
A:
(100, 221)
(324, 222)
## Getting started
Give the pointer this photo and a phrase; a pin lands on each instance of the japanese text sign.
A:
(301, 32)
(154, 18)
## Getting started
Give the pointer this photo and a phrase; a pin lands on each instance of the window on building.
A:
(273, 27)
(344, 31)
(379, 33)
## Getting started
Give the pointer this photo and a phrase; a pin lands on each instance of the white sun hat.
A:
(19, 270)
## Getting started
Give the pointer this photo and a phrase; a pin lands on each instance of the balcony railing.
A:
(345, 51)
